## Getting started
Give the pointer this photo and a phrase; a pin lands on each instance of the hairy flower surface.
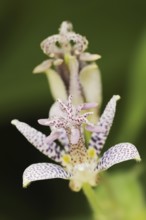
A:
(73, 70)
(78, 163)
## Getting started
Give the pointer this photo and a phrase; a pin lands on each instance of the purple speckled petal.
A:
(38, 140)
(101, 130)
(63, 139)
(117, 154)
(43, 171)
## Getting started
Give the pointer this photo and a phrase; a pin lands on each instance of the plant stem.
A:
(92, 199)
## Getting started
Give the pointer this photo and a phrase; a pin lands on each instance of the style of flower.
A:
(73, 70)
(78, 163)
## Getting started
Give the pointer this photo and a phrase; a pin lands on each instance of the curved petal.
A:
(38, 140)
(63, 139)
(43, 171)
(101, 130)
(88, 57)
(42, 67)
(117, 154)
(57, 85)
(91, 82)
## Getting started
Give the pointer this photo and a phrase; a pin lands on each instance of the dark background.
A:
(115, 30)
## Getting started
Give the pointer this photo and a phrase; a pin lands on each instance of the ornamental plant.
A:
(74, 120)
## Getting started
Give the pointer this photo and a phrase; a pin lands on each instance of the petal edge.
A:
(117, 154)
(43, 171)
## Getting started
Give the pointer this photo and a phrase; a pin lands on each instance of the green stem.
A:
(97, 208)
(92, 199)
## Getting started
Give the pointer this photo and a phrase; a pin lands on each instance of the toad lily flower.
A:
(73, 70)
(78, 163)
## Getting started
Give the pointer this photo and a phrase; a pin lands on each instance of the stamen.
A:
(53, 136)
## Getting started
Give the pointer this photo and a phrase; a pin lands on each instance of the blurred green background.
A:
(117, 31)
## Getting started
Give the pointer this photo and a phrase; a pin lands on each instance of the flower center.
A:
(78, 152)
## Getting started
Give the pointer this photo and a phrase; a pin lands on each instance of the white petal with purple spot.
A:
(103, 126)
(38, 140)
(43, 171)
(117, 154)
